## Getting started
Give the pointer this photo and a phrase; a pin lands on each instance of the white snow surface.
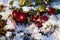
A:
(56, 4)
(32, 28)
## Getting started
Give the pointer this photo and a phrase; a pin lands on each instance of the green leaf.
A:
(32, 12)
(2, 31)
(11, 2)
(12, 8)
(28, 3)
(49, 1)
(22, 2)
(58, 11)
(38, 2)
(42, 8)
(3, 22)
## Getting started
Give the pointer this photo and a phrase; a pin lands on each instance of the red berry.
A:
(43, 18)
(34, 18)
(38, 24)
(51, 11)
(15, 14)
(22, 17)
(19, 16)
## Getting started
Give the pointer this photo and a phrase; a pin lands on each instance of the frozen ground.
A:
(32, 28)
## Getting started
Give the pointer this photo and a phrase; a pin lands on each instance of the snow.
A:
(9, 25)
(37, 36)
(56, 4)
(2, 38)
(5, 2)
(32, 28)
(8, 34)
(52, 20)
(26, 9)
(15, 4)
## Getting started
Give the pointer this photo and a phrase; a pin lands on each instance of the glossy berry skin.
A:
(43, 18)
(15, 14)
(38, 24)
(22, 17)
(19, 16)
(34, 18)
(51, 11)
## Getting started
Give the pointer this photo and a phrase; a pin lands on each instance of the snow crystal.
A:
(8, 34)
(16, 4)
(56, 4)
(26, 9)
